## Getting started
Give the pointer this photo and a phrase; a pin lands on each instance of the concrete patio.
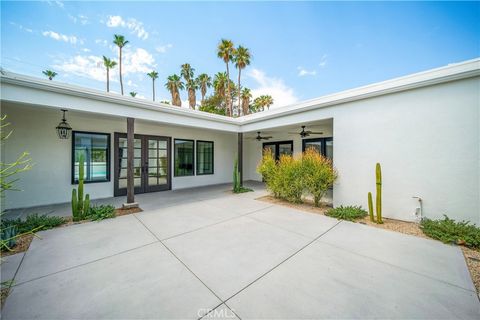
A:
(208, 253)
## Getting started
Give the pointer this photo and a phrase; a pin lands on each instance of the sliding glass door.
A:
(324, 146)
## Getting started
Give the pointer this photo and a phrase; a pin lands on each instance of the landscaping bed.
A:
(472, 256)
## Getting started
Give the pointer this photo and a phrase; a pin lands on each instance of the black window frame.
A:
(175, 157)
(197, 158)
(324, 144)
(109, 150)
(277, 149)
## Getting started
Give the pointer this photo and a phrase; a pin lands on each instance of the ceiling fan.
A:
(305, 133)
(260, 138)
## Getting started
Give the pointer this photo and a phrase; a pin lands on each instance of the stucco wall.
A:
(427, 141)
(50, 179)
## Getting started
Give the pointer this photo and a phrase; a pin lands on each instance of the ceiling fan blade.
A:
(293, 132)
(313, 132)
(267, 137)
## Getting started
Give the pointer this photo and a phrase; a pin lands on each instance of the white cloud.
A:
(132, 24)
(102, 42)
(82, 19)
(62, 37)
(58, 3)
(86, 50)
(304, 72)
(19, 26)
(84, 66)
(164, 48)
(323, 61)
(282, 94)
(138, 61)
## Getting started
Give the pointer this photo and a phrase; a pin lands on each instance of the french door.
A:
(151, 163)
(279, 147)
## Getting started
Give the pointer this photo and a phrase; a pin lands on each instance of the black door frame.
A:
(277, 149)
(143, 188)
(322, 140)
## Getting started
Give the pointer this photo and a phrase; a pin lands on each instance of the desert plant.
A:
(8, 235)
(378, 200)
(80, 206)
(269, 170)
(289, 179)
(370, 207)
(318, 174)
(350, 213)
(449, 231)
(101, 212)
(34, 221)
(236, 177)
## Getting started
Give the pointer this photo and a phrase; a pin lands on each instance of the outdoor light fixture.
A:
(63, 128)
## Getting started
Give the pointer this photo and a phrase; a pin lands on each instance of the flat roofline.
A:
(451, 72)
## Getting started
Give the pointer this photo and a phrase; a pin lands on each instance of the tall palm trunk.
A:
(228, 97)
(153, 87)
(191, 98)
(108, 80)
(204, 92)
(120, 67)
(239, 90)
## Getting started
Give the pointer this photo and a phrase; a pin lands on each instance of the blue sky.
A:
(300, 50)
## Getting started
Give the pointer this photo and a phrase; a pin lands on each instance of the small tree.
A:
(318, 174)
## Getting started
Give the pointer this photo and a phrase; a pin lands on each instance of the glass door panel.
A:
(151, 164)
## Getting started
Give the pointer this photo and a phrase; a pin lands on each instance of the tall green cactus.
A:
(370, 207)
(378, 174)
(80, 206)
(378, 200)
(236, 177)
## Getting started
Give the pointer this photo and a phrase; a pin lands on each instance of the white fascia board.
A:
(33, 91)
(462, 70)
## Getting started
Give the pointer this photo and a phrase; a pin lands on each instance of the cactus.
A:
(370, 207)
(236, 180)
(378, 174)
(378, 200)
(74, 203)
(8, 237)
(80, 206)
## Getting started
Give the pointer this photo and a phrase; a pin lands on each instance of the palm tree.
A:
(225, 51)
(204, 82)
(220, 84)
(133, 94)
(242, 59)
(245, 97)
(153, 75)
(50, 74)
(120, 42)
(192, 86)
(187, 72)
(263, 101)
(109, 64)
(174, 85)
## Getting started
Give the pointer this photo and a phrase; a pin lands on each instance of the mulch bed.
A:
(472, 256)
(5, 292)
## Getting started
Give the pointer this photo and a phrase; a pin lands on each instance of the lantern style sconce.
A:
(63, 128)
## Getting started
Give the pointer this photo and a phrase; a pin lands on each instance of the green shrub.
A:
(292, 177)
(101, 212)
(350, 213)
(34, 221)
(450, 231)
(318, 174)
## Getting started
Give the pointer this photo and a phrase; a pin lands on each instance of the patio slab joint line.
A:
(283, 261)
(398, 267)
(212, 224)
(80, 265)
(166, 247)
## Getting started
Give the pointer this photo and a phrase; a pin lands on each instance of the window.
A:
(204, 157)
(324, 146)
(279, 148)
(183, 158)
(95, 148)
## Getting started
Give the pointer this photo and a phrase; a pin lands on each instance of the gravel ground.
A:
(472, 256)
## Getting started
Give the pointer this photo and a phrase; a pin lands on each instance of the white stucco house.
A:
(423, 128)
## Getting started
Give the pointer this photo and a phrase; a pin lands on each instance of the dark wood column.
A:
(240, 156)
(130, 182)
